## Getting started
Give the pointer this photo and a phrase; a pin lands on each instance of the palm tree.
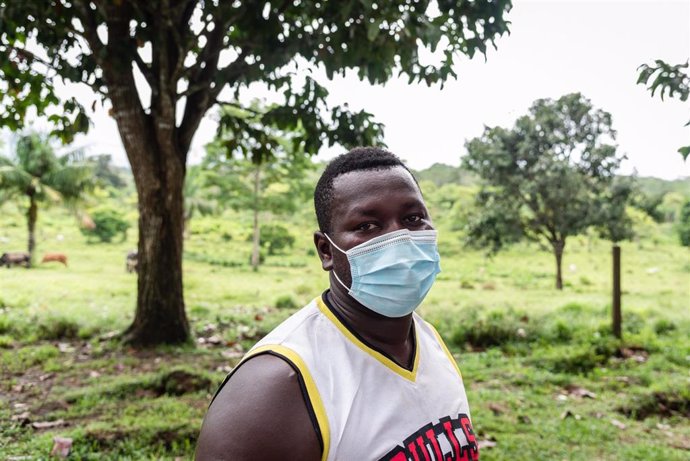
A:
(36, 173)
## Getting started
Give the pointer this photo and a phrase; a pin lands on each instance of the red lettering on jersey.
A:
(424, 444)
(431, 437)
(472, 449)
(422, 448)
(448, 428)
(412, 448)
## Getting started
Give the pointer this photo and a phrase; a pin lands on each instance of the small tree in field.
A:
(259, 166)
(38, 175)
(541, 178)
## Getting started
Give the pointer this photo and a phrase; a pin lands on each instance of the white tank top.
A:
(365, 406)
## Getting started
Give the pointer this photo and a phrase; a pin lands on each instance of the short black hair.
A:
(357, 159)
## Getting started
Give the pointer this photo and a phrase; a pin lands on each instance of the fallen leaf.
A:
(108, 336)
(662, 426)
(65, 347)
(258, 317)
(578, 391)
(23, 418)
(215, 340)
(232, 354)
(618, 424)
(94, 374)
(484, 444)
(496, 408)
(46, 376)
(48, 424)
(569, 414)
(61, 447)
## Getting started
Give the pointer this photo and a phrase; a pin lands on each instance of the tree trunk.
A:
(256, 247)
(158, 166)
(160, 314)
(558, 247)
(31, 217)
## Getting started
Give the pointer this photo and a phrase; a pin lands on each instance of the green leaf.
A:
(373, 30)
(685, 152)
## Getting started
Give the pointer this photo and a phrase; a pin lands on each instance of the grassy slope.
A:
(521, 388)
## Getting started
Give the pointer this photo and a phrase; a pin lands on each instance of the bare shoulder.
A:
(260, 413)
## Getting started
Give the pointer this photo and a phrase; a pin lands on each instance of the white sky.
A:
(555, 47)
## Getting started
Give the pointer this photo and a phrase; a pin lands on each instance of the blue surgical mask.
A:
(392, 273)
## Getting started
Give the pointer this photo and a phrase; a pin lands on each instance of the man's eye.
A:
(366, 226)
(414, 218)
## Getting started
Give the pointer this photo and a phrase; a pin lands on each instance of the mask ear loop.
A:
(333, 271)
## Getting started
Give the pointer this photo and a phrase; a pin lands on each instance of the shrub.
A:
(496, 329)
(286, 302)
(276, 238)
(663, 326)
(108, 223)
(55, 328)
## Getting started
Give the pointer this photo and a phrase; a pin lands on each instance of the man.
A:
(354, 375)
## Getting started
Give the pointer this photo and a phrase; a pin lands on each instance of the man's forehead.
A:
(357, 185)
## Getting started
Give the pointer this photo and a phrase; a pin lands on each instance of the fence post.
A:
(616, 306)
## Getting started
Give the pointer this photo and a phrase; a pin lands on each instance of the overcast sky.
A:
(555, 47)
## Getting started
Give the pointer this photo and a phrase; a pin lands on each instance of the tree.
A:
(262, 166)
(541, 178)
(38, 174)
(672, 80)
(187, 52)
(106, 174)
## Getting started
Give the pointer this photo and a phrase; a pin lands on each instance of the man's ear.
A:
(323, 248)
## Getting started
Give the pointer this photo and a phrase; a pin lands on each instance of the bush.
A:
(663, 326)
(286, 302)
(108, 222)
(276, 238)
(496, 329)
(56, 328)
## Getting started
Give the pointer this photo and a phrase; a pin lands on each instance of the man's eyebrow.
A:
(363, 211)
(373, 211)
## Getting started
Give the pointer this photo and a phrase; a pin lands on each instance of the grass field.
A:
(544, 377)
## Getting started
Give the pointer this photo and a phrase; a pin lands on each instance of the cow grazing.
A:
(55, 257)
(132, 262)
(16, 258)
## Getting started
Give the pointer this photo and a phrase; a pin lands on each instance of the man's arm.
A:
(259, 414)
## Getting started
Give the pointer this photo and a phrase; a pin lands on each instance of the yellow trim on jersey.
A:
(391, 365)
(312, 391)
(445, 348)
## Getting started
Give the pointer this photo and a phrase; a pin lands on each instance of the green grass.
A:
(523, 347)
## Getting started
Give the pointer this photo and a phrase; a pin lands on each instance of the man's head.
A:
(358, 159)
(364, 194)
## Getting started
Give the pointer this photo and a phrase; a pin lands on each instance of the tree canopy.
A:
(542, 177)
(163, 64)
